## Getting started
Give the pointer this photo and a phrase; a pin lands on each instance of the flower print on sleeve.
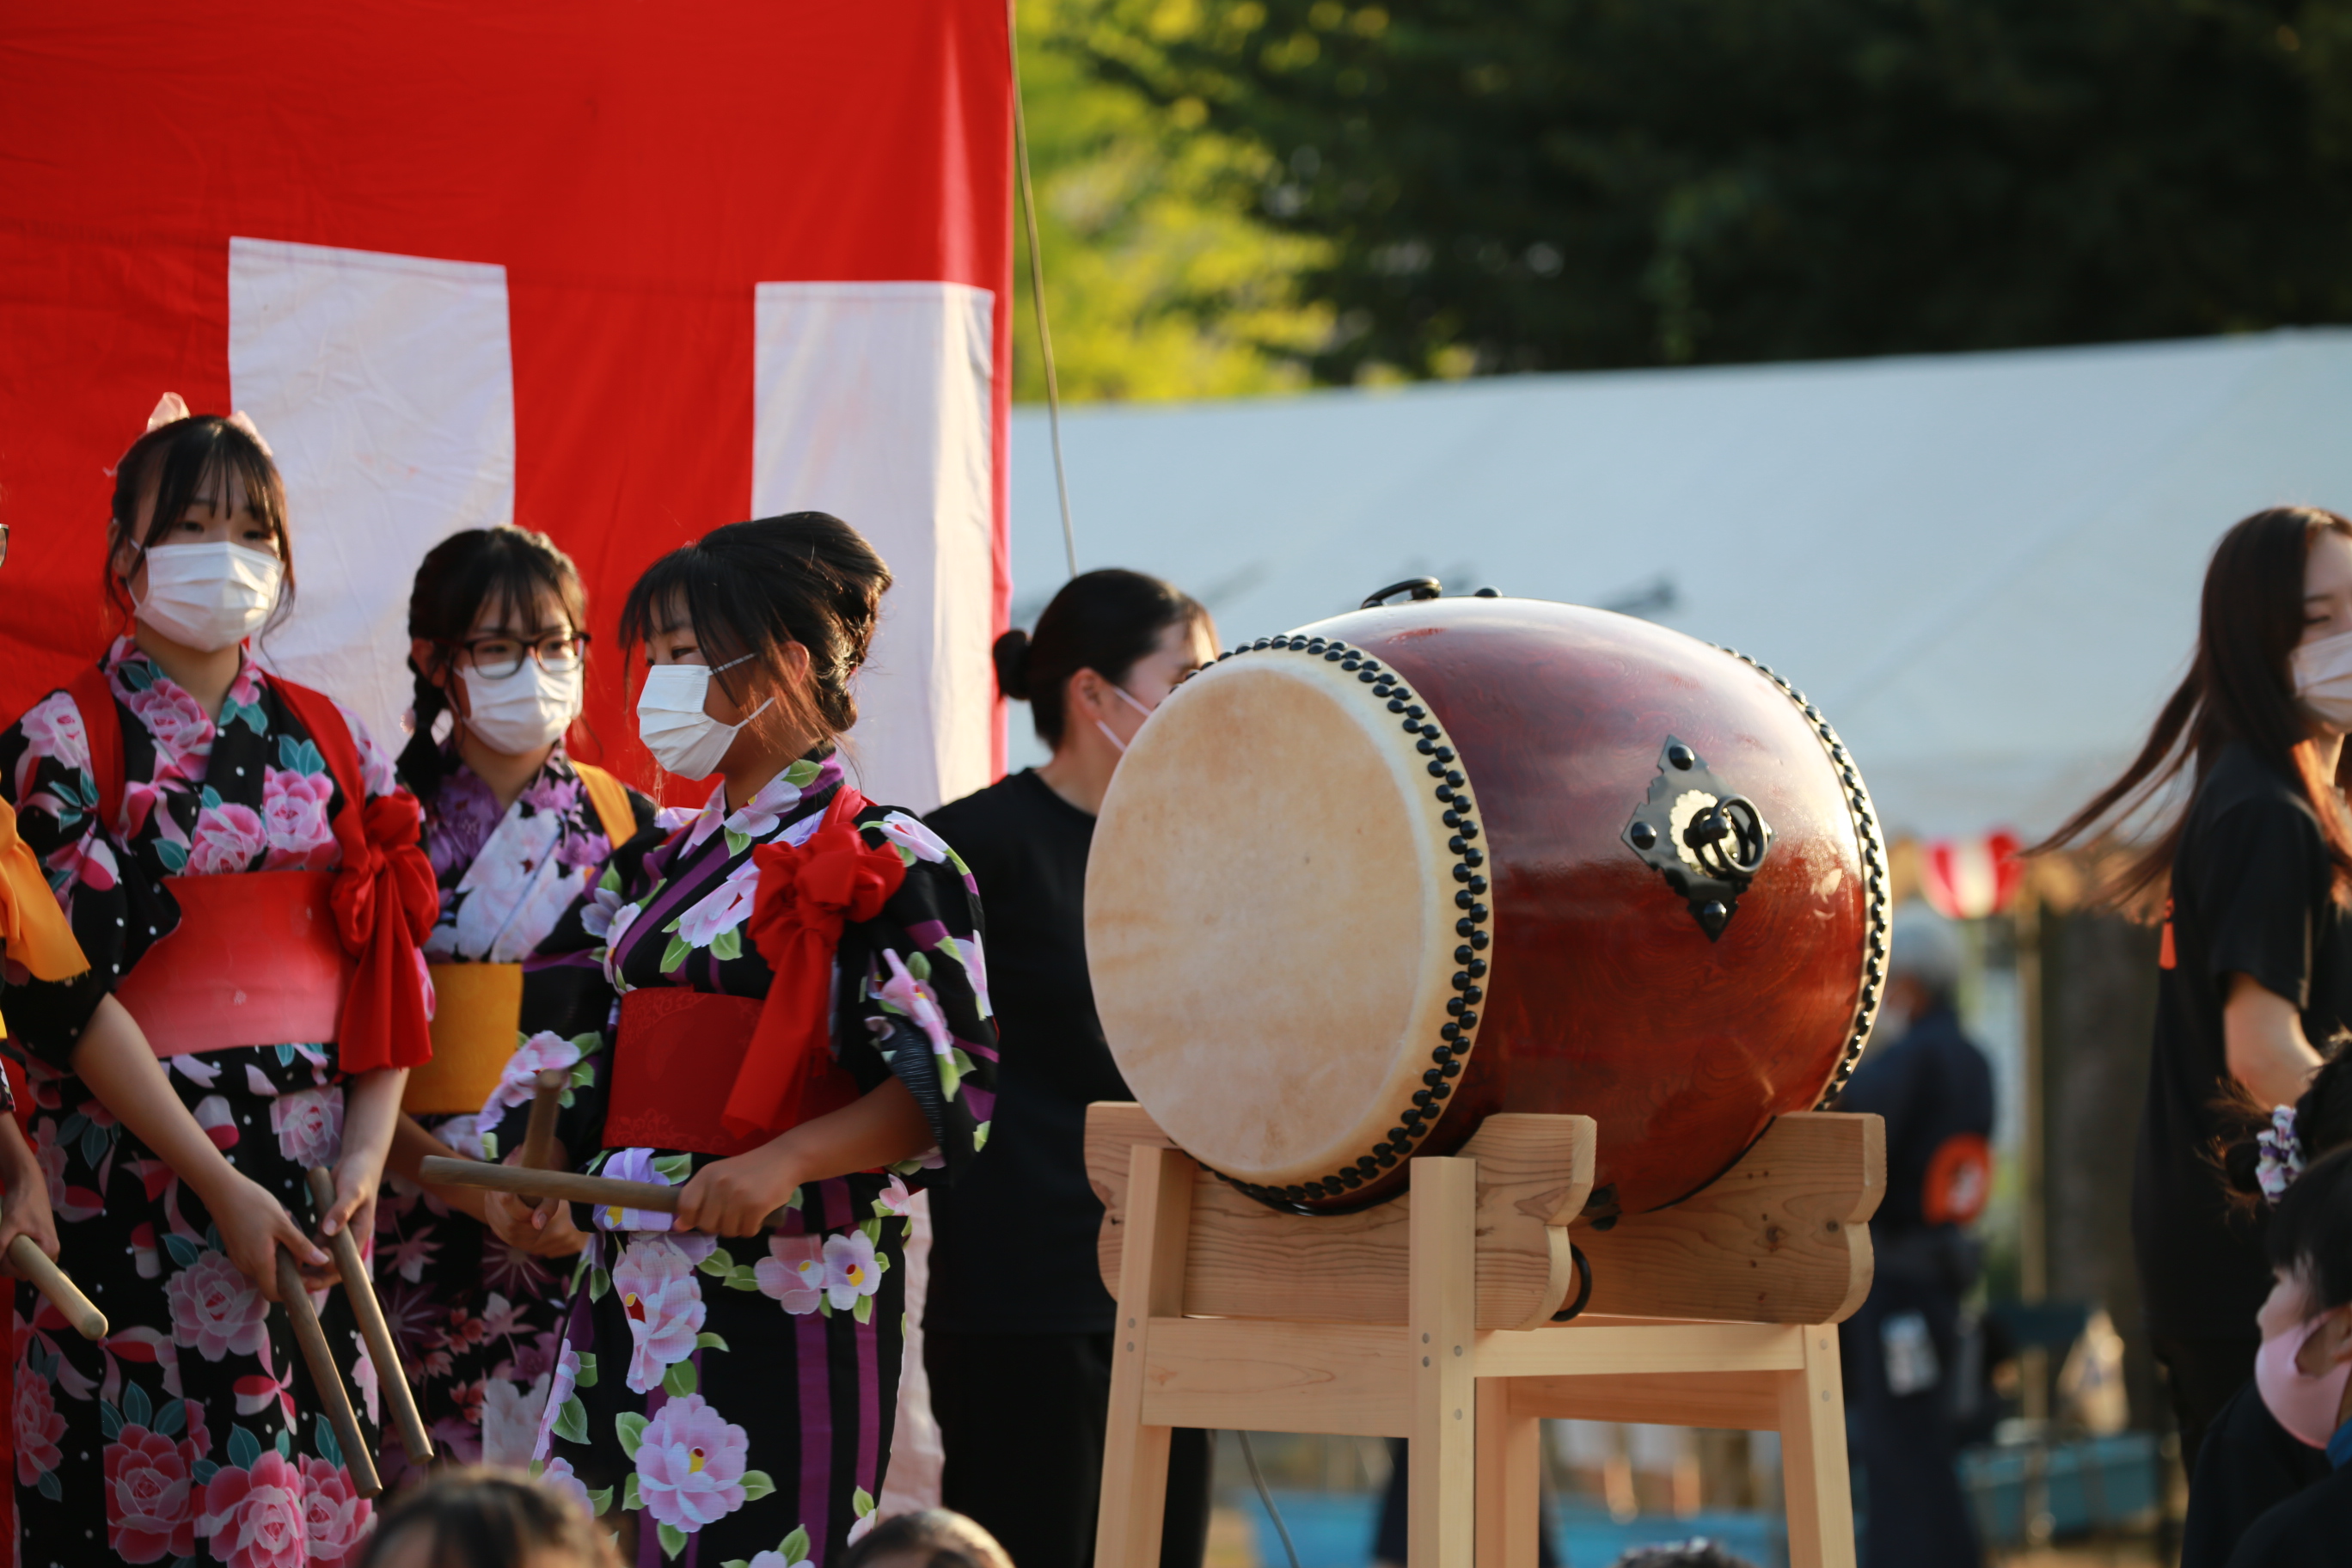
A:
(924, 984)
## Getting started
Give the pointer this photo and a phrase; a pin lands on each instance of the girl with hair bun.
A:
(2256, 958)
(1020, 1362)
(518, 832)
(239, 865)
(802, 1041)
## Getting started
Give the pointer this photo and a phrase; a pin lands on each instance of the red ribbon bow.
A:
(807, 893)
(386, 900)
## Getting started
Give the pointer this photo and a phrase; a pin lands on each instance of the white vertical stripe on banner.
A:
(871, 401)
(385, 385)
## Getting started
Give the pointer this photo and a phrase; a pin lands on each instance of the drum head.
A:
(1270, 916)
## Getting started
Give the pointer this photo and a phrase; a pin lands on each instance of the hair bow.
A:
(2279, 1160)
(171, 407)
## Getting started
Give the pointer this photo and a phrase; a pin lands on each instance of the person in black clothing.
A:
(2304, 1369)
(2251, 1463)
(1901, 1351)
(1018, 1328)
(2256, 956)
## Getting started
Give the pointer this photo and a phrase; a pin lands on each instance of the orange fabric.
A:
(386, 902)
(610, 798)
(807, 893)
(476, 1019)
(255, 960)
(33, 930)
(1958, 1181)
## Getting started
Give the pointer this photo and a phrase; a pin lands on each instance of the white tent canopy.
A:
(1983, 567)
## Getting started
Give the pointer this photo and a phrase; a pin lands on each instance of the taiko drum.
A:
(1355, 888)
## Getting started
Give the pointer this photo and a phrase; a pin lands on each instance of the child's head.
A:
(935, 1538)
(482, 1518)
(2253, 1155)
(2306, 1359)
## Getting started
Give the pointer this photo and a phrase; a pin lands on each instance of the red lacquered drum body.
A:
(1356, 888)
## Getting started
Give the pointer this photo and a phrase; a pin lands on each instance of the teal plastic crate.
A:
(2091, 1483)
(1334, 1530)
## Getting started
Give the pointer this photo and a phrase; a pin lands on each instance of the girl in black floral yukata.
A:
(517, 832)
(803, 1028)
(224, 845)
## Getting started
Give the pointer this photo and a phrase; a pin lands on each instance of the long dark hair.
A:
(179, 460)
(752, 587)
(465, 573)
(1105, 621)
(2239, 688)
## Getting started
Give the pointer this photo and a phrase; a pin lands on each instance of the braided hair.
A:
(512, 569)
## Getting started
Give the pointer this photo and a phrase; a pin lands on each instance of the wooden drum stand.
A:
(1430, 1319)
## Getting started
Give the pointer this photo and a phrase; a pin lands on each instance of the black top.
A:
(1932, 1086)
(2310, 1529)
(1013, 1248)
(2247, 1464)
(2250, 896)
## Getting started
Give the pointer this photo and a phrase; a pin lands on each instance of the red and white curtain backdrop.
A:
(619, 272)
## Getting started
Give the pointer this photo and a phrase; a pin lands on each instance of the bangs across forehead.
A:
(518, 593)
(206, 464)
(681, 593)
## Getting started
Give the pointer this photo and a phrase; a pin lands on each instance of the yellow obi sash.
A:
(33, 930)
(477, 1024)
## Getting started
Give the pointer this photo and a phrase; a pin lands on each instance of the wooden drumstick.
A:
(33, 1266)
(538, 1135)
(327, 1376)
(390, 1380)
(598, 1192)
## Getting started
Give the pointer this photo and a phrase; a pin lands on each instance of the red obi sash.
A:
(382, 902)
(256, 961)
(674, 1063)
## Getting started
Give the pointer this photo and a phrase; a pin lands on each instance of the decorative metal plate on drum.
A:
(1357, 888)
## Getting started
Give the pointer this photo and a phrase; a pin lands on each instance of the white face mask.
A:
(523, 711)
(2323, 679)
(209, 596)
(1129, 699)
(670, 720)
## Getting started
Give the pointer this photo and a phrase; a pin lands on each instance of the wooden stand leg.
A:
(1812, 1458)
(1151, 1285)
(1510, 1467)
(1440, 1521)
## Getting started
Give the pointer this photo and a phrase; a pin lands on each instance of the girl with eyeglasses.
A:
(802, 1042)
(518, 832)
(240, 867)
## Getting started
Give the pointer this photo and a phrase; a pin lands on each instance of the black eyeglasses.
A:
(558, 653)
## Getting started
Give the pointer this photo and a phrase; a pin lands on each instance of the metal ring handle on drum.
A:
(1421, 587)
(1733, 818)
(1584, 1287)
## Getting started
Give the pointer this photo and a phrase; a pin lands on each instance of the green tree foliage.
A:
(1160, 282)
(1517, 184)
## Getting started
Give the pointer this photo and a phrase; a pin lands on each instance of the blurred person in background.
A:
(2255, 963)
(1901, 1351)
(1020, 1357)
